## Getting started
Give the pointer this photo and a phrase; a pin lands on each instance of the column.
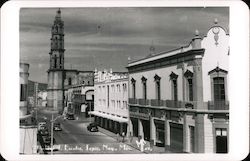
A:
(106, 123)
(199, 134)
(152, 130)
(121, 128)
(130, 128)
(167, 134)
(116, 130)
(186, 139)
(140, 128)
(101, 119)
(198, 97)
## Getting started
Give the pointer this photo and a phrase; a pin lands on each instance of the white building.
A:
(111, 96)
(42, 98)
(28, 128)
(179, 99)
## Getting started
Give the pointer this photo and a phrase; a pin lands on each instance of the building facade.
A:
(27, 127)
(79, 93)
(111, 101)
(179, 99)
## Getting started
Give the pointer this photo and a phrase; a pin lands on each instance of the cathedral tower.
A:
(56, 69)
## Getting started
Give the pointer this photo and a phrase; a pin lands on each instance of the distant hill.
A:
(31, 87)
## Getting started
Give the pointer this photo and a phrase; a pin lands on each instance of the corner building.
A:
(179, 99)
(111, 101)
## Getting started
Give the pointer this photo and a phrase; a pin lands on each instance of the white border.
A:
(238, 81)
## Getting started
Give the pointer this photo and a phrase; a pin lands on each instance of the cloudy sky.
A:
(104, 38)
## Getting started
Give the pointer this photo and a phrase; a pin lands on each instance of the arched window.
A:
(144, 87)
(173, 78)
(158, 86)
(189, 77)
(133, 81)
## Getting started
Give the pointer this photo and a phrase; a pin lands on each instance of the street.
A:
(75, 138)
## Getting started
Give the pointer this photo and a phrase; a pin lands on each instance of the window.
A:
(219, 89)
(55, 61)
(175, 90)
(23, 92)
(144, 87)
(133, 87)
(173, 78)
(190, 89)
(218, 78)
(189, 85)
(158, 87)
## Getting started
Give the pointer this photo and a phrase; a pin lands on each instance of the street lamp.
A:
(52, 111)
(52, 132)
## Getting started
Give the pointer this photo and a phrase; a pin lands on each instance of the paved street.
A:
(75, 138)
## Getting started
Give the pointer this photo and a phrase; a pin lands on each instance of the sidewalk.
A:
(132, 142)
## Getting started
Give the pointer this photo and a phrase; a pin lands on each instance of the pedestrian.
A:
(123, 136)
(130, 137)
(140, 143)
(117, 137)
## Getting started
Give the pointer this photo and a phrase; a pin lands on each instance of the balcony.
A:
(218, 105)
(162, 103)
(143, 102)
(133, 101)
(156, 102)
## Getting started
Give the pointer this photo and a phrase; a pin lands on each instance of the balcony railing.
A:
(218, 105)
(143, 102)
(162, 103)
(133, 101)
(156, 102)
(210, 105)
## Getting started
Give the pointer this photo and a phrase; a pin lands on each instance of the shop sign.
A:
(139, 115)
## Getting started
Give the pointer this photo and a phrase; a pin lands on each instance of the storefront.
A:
(176, 137)
(160, 133)
(140, 120)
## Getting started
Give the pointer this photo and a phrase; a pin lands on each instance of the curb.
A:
(114, 136)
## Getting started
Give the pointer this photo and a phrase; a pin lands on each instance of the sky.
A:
(104, 38)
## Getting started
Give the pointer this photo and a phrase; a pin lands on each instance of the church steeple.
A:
(57, 43)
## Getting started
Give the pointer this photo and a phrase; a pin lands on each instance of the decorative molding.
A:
(173, 76)
(216, 31)
(217, 69)
(143, 79)
(157, 78)
(188, 74)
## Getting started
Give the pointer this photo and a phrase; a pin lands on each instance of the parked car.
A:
(42, 128)
(92, 127)
(47, 140)
(41, 125)
(70, 116)
(57, 127)
(44, 132)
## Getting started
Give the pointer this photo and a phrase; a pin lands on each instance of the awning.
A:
(25, 117)
(108, 116)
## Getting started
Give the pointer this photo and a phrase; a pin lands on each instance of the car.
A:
(70, 116)
(47, 140)
(44, 132)
(57, 127)
(41, 124)
(42, 128)
(92, 127)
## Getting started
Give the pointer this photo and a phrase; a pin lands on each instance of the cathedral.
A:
(59, 78)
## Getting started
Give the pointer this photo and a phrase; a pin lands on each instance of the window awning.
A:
(108, 116)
